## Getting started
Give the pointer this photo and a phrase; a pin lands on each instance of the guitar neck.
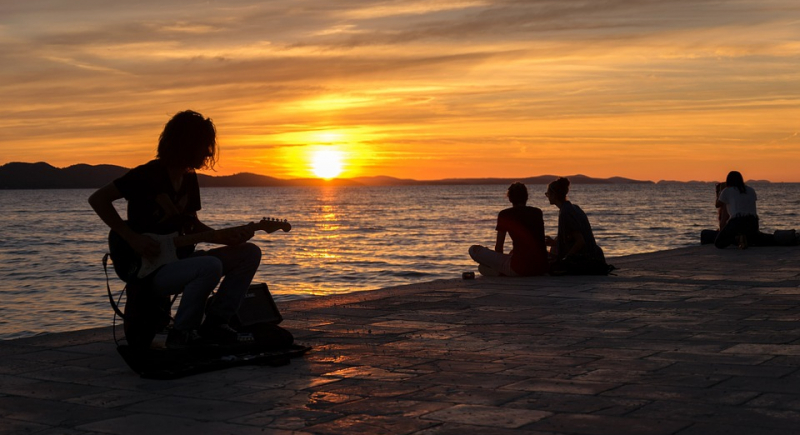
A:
(268, 225)
(207, 236)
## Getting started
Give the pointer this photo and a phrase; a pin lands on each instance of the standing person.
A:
(526, 227)
(740, 202)
(164, 197)
(575, 251)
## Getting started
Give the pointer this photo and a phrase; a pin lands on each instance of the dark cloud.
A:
(557, 20)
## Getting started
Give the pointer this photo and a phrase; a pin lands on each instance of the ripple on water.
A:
(342, 239)
(406, 274)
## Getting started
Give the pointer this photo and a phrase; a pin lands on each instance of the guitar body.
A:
(126, 261)
(167, 254)
(130, 266)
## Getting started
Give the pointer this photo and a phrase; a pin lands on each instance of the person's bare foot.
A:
(487, 271)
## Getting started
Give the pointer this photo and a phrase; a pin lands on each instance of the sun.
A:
(327, 163)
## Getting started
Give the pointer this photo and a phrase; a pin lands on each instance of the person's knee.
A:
(473, 250)
(212, 267)
(252, 253)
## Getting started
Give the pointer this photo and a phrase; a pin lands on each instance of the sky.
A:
(645, 89)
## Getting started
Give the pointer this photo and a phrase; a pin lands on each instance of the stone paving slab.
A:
(687, 341)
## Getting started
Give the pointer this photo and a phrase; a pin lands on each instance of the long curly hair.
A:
(189, 140)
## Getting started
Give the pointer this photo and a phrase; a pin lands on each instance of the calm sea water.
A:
(343, 239)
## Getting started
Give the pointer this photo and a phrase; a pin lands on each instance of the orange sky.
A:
(672, 89)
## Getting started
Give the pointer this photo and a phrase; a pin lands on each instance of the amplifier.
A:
(258, 307)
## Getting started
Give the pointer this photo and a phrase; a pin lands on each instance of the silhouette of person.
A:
(575, 251)
(722, 210)
(164, 197)
(739, 200)
(525, 225)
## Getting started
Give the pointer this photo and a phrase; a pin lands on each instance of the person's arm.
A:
(199, 227)
(102, 202)
(501, 239)
(721, 196)
(578, 245)
(718, 188)
(225, 237)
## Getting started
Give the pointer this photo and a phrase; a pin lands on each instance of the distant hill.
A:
(239, 180)
(710, 182)
(540, 179)
(45, 176)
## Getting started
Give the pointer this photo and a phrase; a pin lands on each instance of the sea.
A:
(343, 239)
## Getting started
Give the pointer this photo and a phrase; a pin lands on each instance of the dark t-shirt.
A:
(525, 225)
(571, 219)
(153, 204)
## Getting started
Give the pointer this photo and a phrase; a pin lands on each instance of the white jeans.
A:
(493, 263)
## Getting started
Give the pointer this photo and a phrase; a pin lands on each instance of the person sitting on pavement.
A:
(574, 250)
(525, 225)
(164, 197)
(739, 200)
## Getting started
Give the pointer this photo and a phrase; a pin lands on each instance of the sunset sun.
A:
(327, 163)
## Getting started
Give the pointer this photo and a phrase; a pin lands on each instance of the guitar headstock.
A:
(270, 225)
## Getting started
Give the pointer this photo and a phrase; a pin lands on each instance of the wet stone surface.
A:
(688, 341)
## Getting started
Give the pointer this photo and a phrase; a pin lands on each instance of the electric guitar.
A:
(129, 265)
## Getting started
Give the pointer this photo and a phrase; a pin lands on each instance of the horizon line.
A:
(209, 173)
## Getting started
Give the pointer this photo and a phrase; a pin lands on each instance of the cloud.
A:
(458, 74)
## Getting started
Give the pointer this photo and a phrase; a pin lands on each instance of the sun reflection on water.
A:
(343, 239)
(327, 220)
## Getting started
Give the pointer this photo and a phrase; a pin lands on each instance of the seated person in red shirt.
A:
(526, 226)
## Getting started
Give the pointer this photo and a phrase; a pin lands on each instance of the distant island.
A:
(42, 175)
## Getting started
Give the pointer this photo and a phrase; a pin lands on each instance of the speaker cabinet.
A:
(258, 307)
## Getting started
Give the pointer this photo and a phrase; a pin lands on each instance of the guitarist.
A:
(163, 197)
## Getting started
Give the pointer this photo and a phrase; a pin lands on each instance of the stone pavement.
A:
(688, 341)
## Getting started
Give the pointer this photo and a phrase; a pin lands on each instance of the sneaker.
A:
(220, 333)
(178, 339)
